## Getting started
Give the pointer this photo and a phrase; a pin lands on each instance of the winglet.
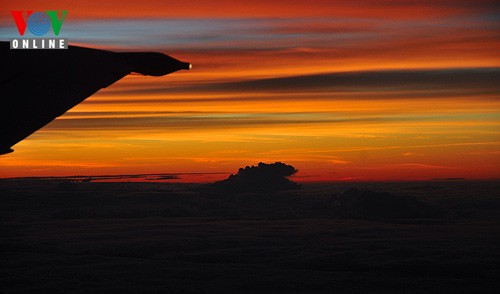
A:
(6, 151)
(152, 63)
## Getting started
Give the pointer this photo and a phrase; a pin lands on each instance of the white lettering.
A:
(39, 43)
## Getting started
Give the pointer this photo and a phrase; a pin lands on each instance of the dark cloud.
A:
(87, 178)
(261, 178)
(483, 78)
(384, 80)
(366, 204)
(211, 121)
(126, 113)
(434, 83)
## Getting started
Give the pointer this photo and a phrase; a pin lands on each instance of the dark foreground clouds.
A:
(261, 178)
(367, 204)
(150, 238)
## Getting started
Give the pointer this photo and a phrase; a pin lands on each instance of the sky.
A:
(342, 90)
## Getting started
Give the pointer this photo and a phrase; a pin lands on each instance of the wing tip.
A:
(6, 151)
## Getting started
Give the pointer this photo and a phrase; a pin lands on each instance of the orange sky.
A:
(384, 9)
(357, 90)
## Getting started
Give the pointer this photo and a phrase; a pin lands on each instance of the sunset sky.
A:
(341, 90)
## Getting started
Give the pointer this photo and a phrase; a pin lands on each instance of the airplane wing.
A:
(36, 86)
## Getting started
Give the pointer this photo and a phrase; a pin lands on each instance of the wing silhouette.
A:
(36, 86)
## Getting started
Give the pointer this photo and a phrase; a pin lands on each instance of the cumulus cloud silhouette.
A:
(261, 178)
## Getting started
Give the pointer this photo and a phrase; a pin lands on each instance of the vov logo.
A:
(39, 25)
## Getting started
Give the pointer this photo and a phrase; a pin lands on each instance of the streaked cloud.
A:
(358, 90)
(472, 81)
